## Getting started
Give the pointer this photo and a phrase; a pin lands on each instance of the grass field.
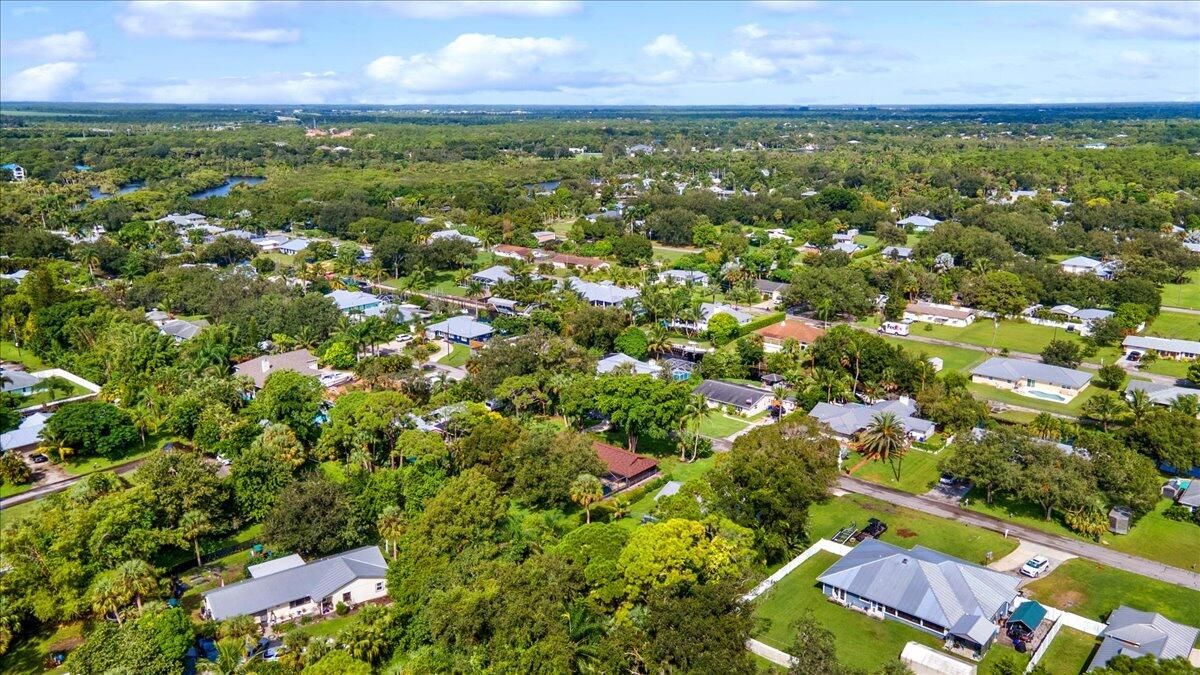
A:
(8, 352)
(918, 472)
(862, 642)
(1177, 369)
(953, 358)
(1016, 336)
(907, 528)
(458, 356)
(27, 656)
(1175, 325)
(1186, 295)
(1069, 653)
(719, 425)
(668, 254)
(1093, 590)
(1153, 536)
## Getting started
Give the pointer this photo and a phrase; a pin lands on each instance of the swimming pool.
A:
(1044, 395)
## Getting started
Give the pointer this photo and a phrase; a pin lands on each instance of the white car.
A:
(1036, 566)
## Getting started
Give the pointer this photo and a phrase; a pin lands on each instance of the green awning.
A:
(1029, 615)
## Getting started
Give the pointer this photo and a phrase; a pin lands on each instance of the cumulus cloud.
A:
(670, 47)
(450, 9)
(46, 82)
(787, 6)
(1165, 20)
(477, 62)
(72, 46)
(226, 20)
(312, 88)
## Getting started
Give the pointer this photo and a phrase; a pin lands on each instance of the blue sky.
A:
(565, 52)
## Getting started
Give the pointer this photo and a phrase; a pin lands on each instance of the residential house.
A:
(1159, 394)
(603, 294)
(17, 171)
(270, 243)
(623, 362)
(508, 307)
(1068, 317)
(609, 214)
(919, 223)
(1167, 348)
(240, 234)
(780, 234)
(514, 252)
(1135, 634)
(1183, 491)
(453, 234)
(897, 252)
(565, 260)
(1030, 378)
(19, 382)
(747, 400)
(460, 329)
(300, 361)
(1085, 265)
(624, 469)
(294, 246)
(771, 290)
(683, 277)
(182, 330)
(848, 235)
(847, 420)
(291, 588)
(847, 247)
(16, 276)
(496, 274)
(944, 315)
(639, 149)
(545, 237)
(707, 311)
(355, 302)
(27, 436)
(681, 369)
(928, 590)
(775, 335)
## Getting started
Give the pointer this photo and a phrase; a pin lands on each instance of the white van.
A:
(893, 328)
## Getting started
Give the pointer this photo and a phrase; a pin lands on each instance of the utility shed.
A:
(925, 661)
(1119, 519)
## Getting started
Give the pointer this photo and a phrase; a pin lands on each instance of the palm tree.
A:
(107, 597)
(658, 341)
(1103, 407)
(1140, 405)
(585, 491)
(53, 442)
(1188, 405)
(824, 310)
(885, 440)
(192, 526)
(56, 385)
(144, 420)
(391, 527)
(138, 579)
(584, 628)
(693, 415)
(1045, 425)
(833, 382)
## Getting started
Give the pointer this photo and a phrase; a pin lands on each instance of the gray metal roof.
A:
(710, 309)
(1160, 394)
(346, 300)
(851, 418)
(494, 275)
(1136, 633)
(1016, 369)
(15, 380)
(276, 565)
(684, 276)
(604, 293)
(1081, 261)
(1162, 344)
(315, 580)
(618, 360)
(1191, 496)
(729, 393)
(768, 286)
(183, 330)
(898, 251)
(923, 583)
(461, 326)
(919, 221)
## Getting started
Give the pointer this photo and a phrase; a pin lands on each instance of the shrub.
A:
(341, 609)
(1177, 512)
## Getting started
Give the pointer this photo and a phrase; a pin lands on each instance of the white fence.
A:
(820, 545)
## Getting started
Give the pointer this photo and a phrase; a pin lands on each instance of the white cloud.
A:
(226, 20)
(312, 88)
(40, 83)
(1171, 20)
(450, 9)
(476, 62)
(72, 46)
(669, 47)
(787, 6)
(29, 9)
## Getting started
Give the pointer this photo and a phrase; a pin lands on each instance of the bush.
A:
(341, 609)
(1111, 376)
(633, 342)
(14, 470)
(1178, 513)
(761, 322)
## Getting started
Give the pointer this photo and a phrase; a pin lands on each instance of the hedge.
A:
(761, 322)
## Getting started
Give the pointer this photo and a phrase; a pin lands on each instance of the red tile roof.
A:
(802, 332)
(621, 462)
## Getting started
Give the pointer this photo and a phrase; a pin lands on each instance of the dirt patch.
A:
(1068, 599)
(905, 533)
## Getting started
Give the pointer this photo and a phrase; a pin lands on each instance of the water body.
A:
(123, 190)
(544, 186)
(82, 167)
(224, 188)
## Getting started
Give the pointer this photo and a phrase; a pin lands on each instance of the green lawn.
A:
(669, 255)
(908, 528)
(1177, 369)
(1175, 325)
(1093, 590)
(672, 469)
(1012, 398)
(26, 656)
(78, 466)
(8, 352)
(953, 358)
(719, 425)
(1186, 295)
(458, 356)
(327, 628)
(862, 642)
(1153, 536)
(1016, 336)
(1069, 653)
(443, 283)
(918, 472)
(46, 397)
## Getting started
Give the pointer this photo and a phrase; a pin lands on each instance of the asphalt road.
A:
(59, 486)
(1083, 549)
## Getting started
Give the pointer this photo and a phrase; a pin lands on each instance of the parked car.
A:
(947, 480)
(39, 458)
(1036, 566)
(1134, 357)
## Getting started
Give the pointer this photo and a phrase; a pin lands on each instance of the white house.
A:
(710, 309)
(847, 420)
(847, 247)
(944, 315)
(919, 223)
(454, 234)
(293, 246)
(1167, 348)
(684, 277)
(619, 361)
(897, 252)
(747, 400)
(496, 274)
(603, 294)
(1085, 265)
(17, 171)
(1033, 379)
(355, 302)
(290, 588)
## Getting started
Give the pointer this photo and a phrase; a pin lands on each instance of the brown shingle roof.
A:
(577, 260)
(621, 462)
(802, 332)
(526, 253)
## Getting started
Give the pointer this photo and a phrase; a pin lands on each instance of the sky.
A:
(566, 52)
